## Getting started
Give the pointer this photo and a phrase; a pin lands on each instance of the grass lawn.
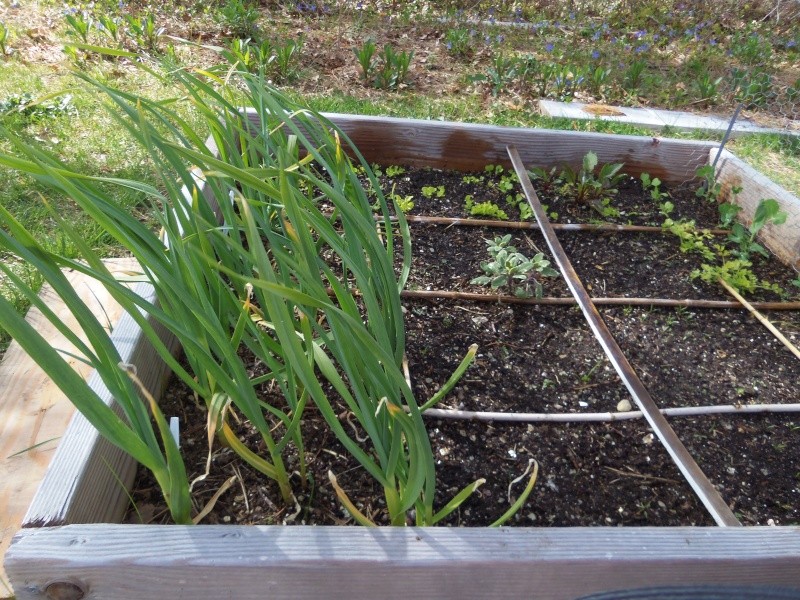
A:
(477, 62)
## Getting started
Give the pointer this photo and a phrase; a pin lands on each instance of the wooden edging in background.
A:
(783, 240)
(127, 561)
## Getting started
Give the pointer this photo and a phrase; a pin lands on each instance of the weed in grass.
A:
(31, 109)
(634, 75)
(144, 31)
(459, 42)
(4, 39)
(365, 55)
(392, 71)
(707, 88)
(500, 74)
(79, 24)
(240, 18)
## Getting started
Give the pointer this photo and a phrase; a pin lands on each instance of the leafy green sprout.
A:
(652, 185)
(484, 209)
(768, 212)
(512, 269)
(394, 170)
(365, 55)
(433, 191)
(588, 188)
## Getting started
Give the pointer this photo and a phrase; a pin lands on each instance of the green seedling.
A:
(512, 269)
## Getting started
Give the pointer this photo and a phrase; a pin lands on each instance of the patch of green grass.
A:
(88, 140)
(776, 156)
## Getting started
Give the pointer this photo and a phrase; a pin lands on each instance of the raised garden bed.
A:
(63, 544)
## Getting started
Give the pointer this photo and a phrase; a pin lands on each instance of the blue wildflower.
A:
(595, 54)
(549, 47)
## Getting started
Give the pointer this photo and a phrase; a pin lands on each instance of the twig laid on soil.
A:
(621, 301)
(530, 225)
(640, 475)
(760, 317)
(684, 411)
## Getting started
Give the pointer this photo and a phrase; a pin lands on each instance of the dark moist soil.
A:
(545, 359)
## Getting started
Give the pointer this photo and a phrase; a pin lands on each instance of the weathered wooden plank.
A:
(783, 240)
(470, 147)
(88, 477)
(144, 562)
(34, 413)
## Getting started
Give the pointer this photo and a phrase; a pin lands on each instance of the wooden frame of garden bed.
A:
(70, 545)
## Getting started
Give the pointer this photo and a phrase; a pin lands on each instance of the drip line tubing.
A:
(602, 227)
(613, 301)
(687, 411)
(705, 490)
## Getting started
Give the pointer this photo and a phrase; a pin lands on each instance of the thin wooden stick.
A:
(620, 301)
(760, 317)
(531, 225)
(683, 411)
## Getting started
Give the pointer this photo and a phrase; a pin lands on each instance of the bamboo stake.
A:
(531, 225)
(688, 411)
(760, 317)
(620, 301)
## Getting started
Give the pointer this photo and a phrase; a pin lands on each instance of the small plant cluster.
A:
(387, 70)
(460, 42)
(625, 56)
(277, 61)
(588, 186)
(109, 33)
(500, 185)
(513, 270)
(27, 106)
(731, 261)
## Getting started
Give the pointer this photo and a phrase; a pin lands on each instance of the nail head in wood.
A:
(64, 590)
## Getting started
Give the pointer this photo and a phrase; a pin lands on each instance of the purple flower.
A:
(642, 48)
(549, 47)
(713, 42)
(791, 44)
(640, 34)
(595, 54)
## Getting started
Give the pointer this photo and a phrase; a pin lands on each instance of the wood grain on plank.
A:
(783, 240)
(218, 561)
(88, 477)
(470, 147)
(33, 411)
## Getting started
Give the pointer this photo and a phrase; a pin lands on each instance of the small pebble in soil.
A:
(624, 405)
